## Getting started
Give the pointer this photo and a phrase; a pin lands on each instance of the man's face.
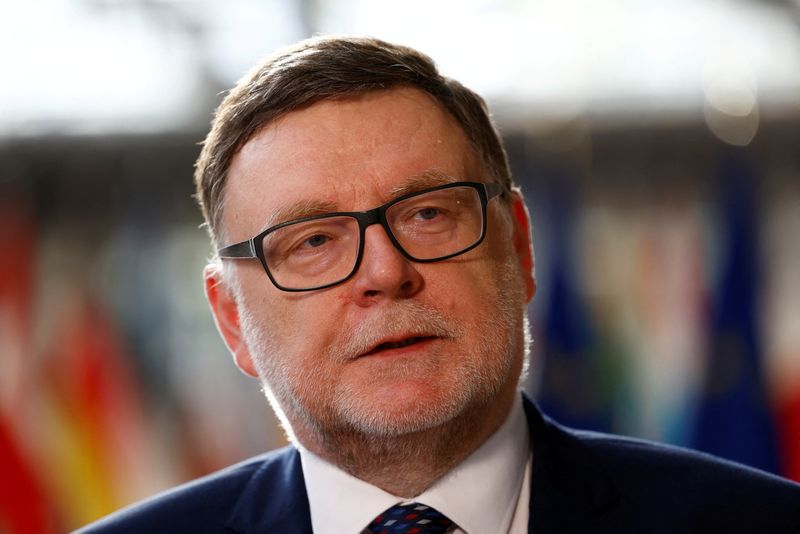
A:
(402, 346)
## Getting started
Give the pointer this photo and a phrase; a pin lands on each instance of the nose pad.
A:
(384, 270)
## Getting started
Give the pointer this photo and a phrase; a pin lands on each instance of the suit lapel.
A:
(569, 491)
(274, 499)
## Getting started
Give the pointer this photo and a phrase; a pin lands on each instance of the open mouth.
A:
(398, 344)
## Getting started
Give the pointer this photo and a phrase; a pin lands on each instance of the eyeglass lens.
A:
(323, 251)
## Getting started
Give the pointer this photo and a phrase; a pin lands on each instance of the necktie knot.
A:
(411, 518)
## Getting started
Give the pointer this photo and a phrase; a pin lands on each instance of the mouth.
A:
(397, 345)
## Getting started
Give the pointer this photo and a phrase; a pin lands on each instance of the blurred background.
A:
(657, 143)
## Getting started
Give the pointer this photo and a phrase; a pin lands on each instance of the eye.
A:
(427, 213)
(315, 241)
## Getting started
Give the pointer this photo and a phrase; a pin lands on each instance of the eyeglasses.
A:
(324, 250)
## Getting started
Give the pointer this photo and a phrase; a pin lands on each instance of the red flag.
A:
(789, 435)
(17, 247)
(23, 499)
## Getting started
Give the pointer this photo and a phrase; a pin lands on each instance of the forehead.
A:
(346, 154)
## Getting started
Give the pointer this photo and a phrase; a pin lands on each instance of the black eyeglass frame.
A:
(253, 247)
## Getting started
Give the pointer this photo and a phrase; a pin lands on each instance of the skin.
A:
(417, 410)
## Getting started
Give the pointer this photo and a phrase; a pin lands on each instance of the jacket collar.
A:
(274, 499)
(570, 491)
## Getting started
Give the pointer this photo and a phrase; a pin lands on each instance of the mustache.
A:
(402, 319)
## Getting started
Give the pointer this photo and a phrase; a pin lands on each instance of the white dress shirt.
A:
(487, 493)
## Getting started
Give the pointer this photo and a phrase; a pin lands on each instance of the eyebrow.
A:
(424, 180)
(299, 210)
(308, 208)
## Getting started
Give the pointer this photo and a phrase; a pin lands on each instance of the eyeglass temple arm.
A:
(493, 190)
(245, 249)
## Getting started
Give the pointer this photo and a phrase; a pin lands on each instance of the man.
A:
(374, 268)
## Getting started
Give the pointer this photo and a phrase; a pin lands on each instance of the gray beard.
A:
(357, 436)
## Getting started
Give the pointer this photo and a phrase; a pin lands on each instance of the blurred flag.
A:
(17, 252)
(669, 293)
(734, 419)
(98, 441)
(789, 417)
(571, 381)
(607, 240)
(782, 318)
(23, 499)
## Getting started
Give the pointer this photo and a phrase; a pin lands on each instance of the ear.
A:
(523, 244)
(226, 314)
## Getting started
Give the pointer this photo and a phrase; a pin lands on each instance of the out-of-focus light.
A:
(734, 130)
(71, 69)
(731, 98)
(609, 59)
(729, 84)
(74, 67)
(129, 65)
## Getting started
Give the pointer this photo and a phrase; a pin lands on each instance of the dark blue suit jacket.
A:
(582, 482)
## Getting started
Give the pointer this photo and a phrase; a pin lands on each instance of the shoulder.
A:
(686, 487)
(634, 485)
(203, 505)
(634, 459)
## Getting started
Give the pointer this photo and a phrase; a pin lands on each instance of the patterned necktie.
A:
(411, 518)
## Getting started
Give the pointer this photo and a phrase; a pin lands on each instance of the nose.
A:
(384, 272)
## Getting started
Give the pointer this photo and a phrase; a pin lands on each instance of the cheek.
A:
(466, 292)
(290, 331)
(273, 309)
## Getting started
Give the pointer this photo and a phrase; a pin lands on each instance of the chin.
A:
(405, 408)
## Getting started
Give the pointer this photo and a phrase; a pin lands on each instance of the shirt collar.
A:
(479, 495)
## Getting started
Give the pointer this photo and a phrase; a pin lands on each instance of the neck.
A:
(408, 464)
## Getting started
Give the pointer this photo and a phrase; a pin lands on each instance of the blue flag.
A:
(571, 390)
(734, 418)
